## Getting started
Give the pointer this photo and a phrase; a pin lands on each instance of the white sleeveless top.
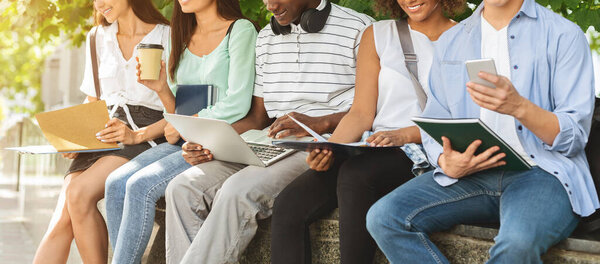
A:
(397, 102)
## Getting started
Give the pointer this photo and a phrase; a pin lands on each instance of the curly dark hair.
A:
(392, 8)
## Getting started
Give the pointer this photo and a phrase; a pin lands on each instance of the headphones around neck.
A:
(312, 21)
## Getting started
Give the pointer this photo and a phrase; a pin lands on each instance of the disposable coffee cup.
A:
(150, 56)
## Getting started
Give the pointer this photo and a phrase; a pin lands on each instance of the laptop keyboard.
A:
(265, 152)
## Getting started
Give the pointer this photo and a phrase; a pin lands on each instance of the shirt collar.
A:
(527, 8)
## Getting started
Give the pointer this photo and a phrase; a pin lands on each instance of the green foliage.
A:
(30, 29)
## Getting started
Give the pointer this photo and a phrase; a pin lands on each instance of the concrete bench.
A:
(463, 244)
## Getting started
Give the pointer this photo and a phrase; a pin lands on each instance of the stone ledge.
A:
(455, 244)
(462, 244)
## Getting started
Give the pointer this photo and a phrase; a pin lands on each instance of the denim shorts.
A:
(142, 116)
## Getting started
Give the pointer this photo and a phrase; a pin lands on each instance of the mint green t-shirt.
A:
(229, 67)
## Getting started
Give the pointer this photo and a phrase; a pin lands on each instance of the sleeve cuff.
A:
(442, 179)
(565, 136)
(88, 90)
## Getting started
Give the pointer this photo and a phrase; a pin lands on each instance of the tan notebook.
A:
(72, 129)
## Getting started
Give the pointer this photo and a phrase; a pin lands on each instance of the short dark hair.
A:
(392, 8)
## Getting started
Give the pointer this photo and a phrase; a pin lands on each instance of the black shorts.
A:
(142, 116)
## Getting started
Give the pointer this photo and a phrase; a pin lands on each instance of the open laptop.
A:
(252, 147)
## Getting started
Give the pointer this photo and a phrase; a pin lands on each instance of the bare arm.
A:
(542, 123)
(151, 132)
(362, 113)
(285, 127)
(159, 86)
(91, 99)
(256, 118)
(506, 100)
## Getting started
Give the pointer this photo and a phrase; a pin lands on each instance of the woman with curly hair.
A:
(385, 99)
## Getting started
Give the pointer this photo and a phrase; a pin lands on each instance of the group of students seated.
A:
(340, 73)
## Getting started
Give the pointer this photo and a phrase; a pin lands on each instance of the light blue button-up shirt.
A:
(551, 65)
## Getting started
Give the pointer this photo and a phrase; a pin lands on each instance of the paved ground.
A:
(16, 245)
(24, 217)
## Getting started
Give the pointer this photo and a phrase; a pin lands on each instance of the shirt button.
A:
(518, 16)
(570, 193)
(556, 172)
(566, 185)
(533, 157)
(512, 36)
(520, 127)
(516, 67)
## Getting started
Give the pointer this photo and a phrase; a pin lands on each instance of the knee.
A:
(381, 223)
(176, 190)
(115, 183)
(235, 190)
(80, 201)
(375, 223)
(141, 189)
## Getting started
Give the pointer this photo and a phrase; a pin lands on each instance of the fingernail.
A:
(98, 134)
(103, 140)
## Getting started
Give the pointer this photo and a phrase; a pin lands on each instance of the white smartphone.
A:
(482, 65)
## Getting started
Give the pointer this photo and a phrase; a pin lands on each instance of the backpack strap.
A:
(410, 59)
(94, 56)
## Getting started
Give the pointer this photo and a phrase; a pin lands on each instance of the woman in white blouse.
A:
(137, 123)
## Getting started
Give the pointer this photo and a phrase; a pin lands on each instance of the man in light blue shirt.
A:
(541, 105)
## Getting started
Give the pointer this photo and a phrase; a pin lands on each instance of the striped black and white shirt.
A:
(310, 73)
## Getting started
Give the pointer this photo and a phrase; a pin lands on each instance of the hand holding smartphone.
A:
(484, 65)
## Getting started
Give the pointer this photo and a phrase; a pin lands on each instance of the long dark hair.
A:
(143, 9)
(183, 26)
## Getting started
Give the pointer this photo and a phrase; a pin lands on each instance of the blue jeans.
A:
(532, 207)
(131, 194)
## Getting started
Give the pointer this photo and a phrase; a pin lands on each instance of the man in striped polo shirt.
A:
(301, 71)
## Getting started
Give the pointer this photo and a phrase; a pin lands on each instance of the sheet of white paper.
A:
(49, 149)
(43, 149)
(310, 131)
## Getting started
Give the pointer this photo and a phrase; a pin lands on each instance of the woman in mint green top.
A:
(201, 52)
(229, 67)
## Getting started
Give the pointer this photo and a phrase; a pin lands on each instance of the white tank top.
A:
(397, 102)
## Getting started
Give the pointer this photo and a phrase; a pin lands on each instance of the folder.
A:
(72, 129)
(348, 149)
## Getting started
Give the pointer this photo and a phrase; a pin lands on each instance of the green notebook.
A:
(462, 132)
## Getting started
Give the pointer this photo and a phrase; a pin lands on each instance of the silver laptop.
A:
(252, 147)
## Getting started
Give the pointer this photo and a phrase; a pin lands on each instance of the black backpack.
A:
(592, 150)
